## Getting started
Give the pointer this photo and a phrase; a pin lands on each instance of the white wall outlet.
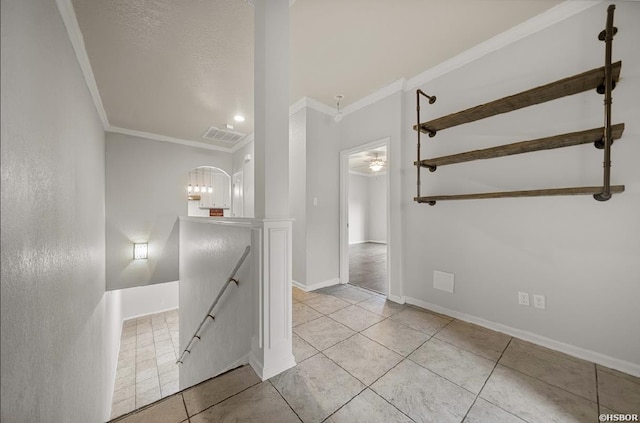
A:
(523, 298)
(539, 301)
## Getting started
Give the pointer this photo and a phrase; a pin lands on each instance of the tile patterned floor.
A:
(146, 362)
(398, 363)
(368, 266)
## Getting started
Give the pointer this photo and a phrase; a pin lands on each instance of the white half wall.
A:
(208, 254)
(150, 299)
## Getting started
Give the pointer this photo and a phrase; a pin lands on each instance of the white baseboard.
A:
(147, 314)
(367, 242)
(274, 369)
(317, 285)
(377, 242)
(396, 298)
(572, 350)
(240, 362)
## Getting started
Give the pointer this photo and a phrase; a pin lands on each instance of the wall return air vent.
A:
(222, 135)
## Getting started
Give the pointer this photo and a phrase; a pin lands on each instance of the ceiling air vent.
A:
(223, 135)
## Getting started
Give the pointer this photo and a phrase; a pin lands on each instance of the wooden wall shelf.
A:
(431, 200)
(557, 141)
(603, 80)
(568, 86)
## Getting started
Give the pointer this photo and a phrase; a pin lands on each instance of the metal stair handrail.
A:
(196, 334)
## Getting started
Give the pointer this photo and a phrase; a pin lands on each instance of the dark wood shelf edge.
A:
(554, 90)
(615, 189)
(547, 143)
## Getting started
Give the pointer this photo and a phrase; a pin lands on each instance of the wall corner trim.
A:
(68, 15)
(572, 350)
(164, 138)
(544, 20)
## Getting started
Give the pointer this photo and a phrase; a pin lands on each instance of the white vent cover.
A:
(223, 135)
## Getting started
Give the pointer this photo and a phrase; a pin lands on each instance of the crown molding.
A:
(164, 138)
(311, 103)
(70, 20)
(245, 141)
(536, 24)
(386, 91)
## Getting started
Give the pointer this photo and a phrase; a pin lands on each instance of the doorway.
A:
(365, 216)
(237, 186)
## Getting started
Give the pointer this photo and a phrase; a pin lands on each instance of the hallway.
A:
(368, 266)
(362, 358)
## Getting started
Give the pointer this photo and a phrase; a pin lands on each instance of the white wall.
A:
(56, 346)
(377, 208)
(298, 193)
(145, 193)
(367, 208)
(247, 169)
(143, 300)
(208, 254)
(580, 253)
(358, 208)
(323, 176)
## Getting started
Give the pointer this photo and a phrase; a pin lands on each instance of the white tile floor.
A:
(398, 363)
(147, 369)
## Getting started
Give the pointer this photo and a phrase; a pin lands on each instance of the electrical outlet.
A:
(539, 301)
(523, 298)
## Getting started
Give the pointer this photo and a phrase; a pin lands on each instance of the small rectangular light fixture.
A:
(140, 250)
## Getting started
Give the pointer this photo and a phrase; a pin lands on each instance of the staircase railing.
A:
(196, 334)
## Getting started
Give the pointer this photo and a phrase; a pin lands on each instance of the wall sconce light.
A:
(140, 250)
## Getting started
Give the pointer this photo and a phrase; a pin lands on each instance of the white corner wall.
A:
(57, 339)
(377, 208)
(358, 209)
(322, 200)
(580, 253)
(298, 193)
(145, 195)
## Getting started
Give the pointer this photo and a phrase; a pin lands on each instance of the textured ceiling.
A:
(175, 68)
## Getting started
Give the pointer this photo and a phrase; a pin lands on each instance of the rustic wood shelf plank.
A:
(615, 189)
(547, 143)
(561, 88)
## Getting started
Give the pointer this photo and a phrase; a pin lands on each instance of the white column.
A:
(271, 344)
(271, 108)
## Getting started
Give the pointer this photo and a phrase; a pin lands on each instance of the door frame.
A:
(344, 207)
(234, 206)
